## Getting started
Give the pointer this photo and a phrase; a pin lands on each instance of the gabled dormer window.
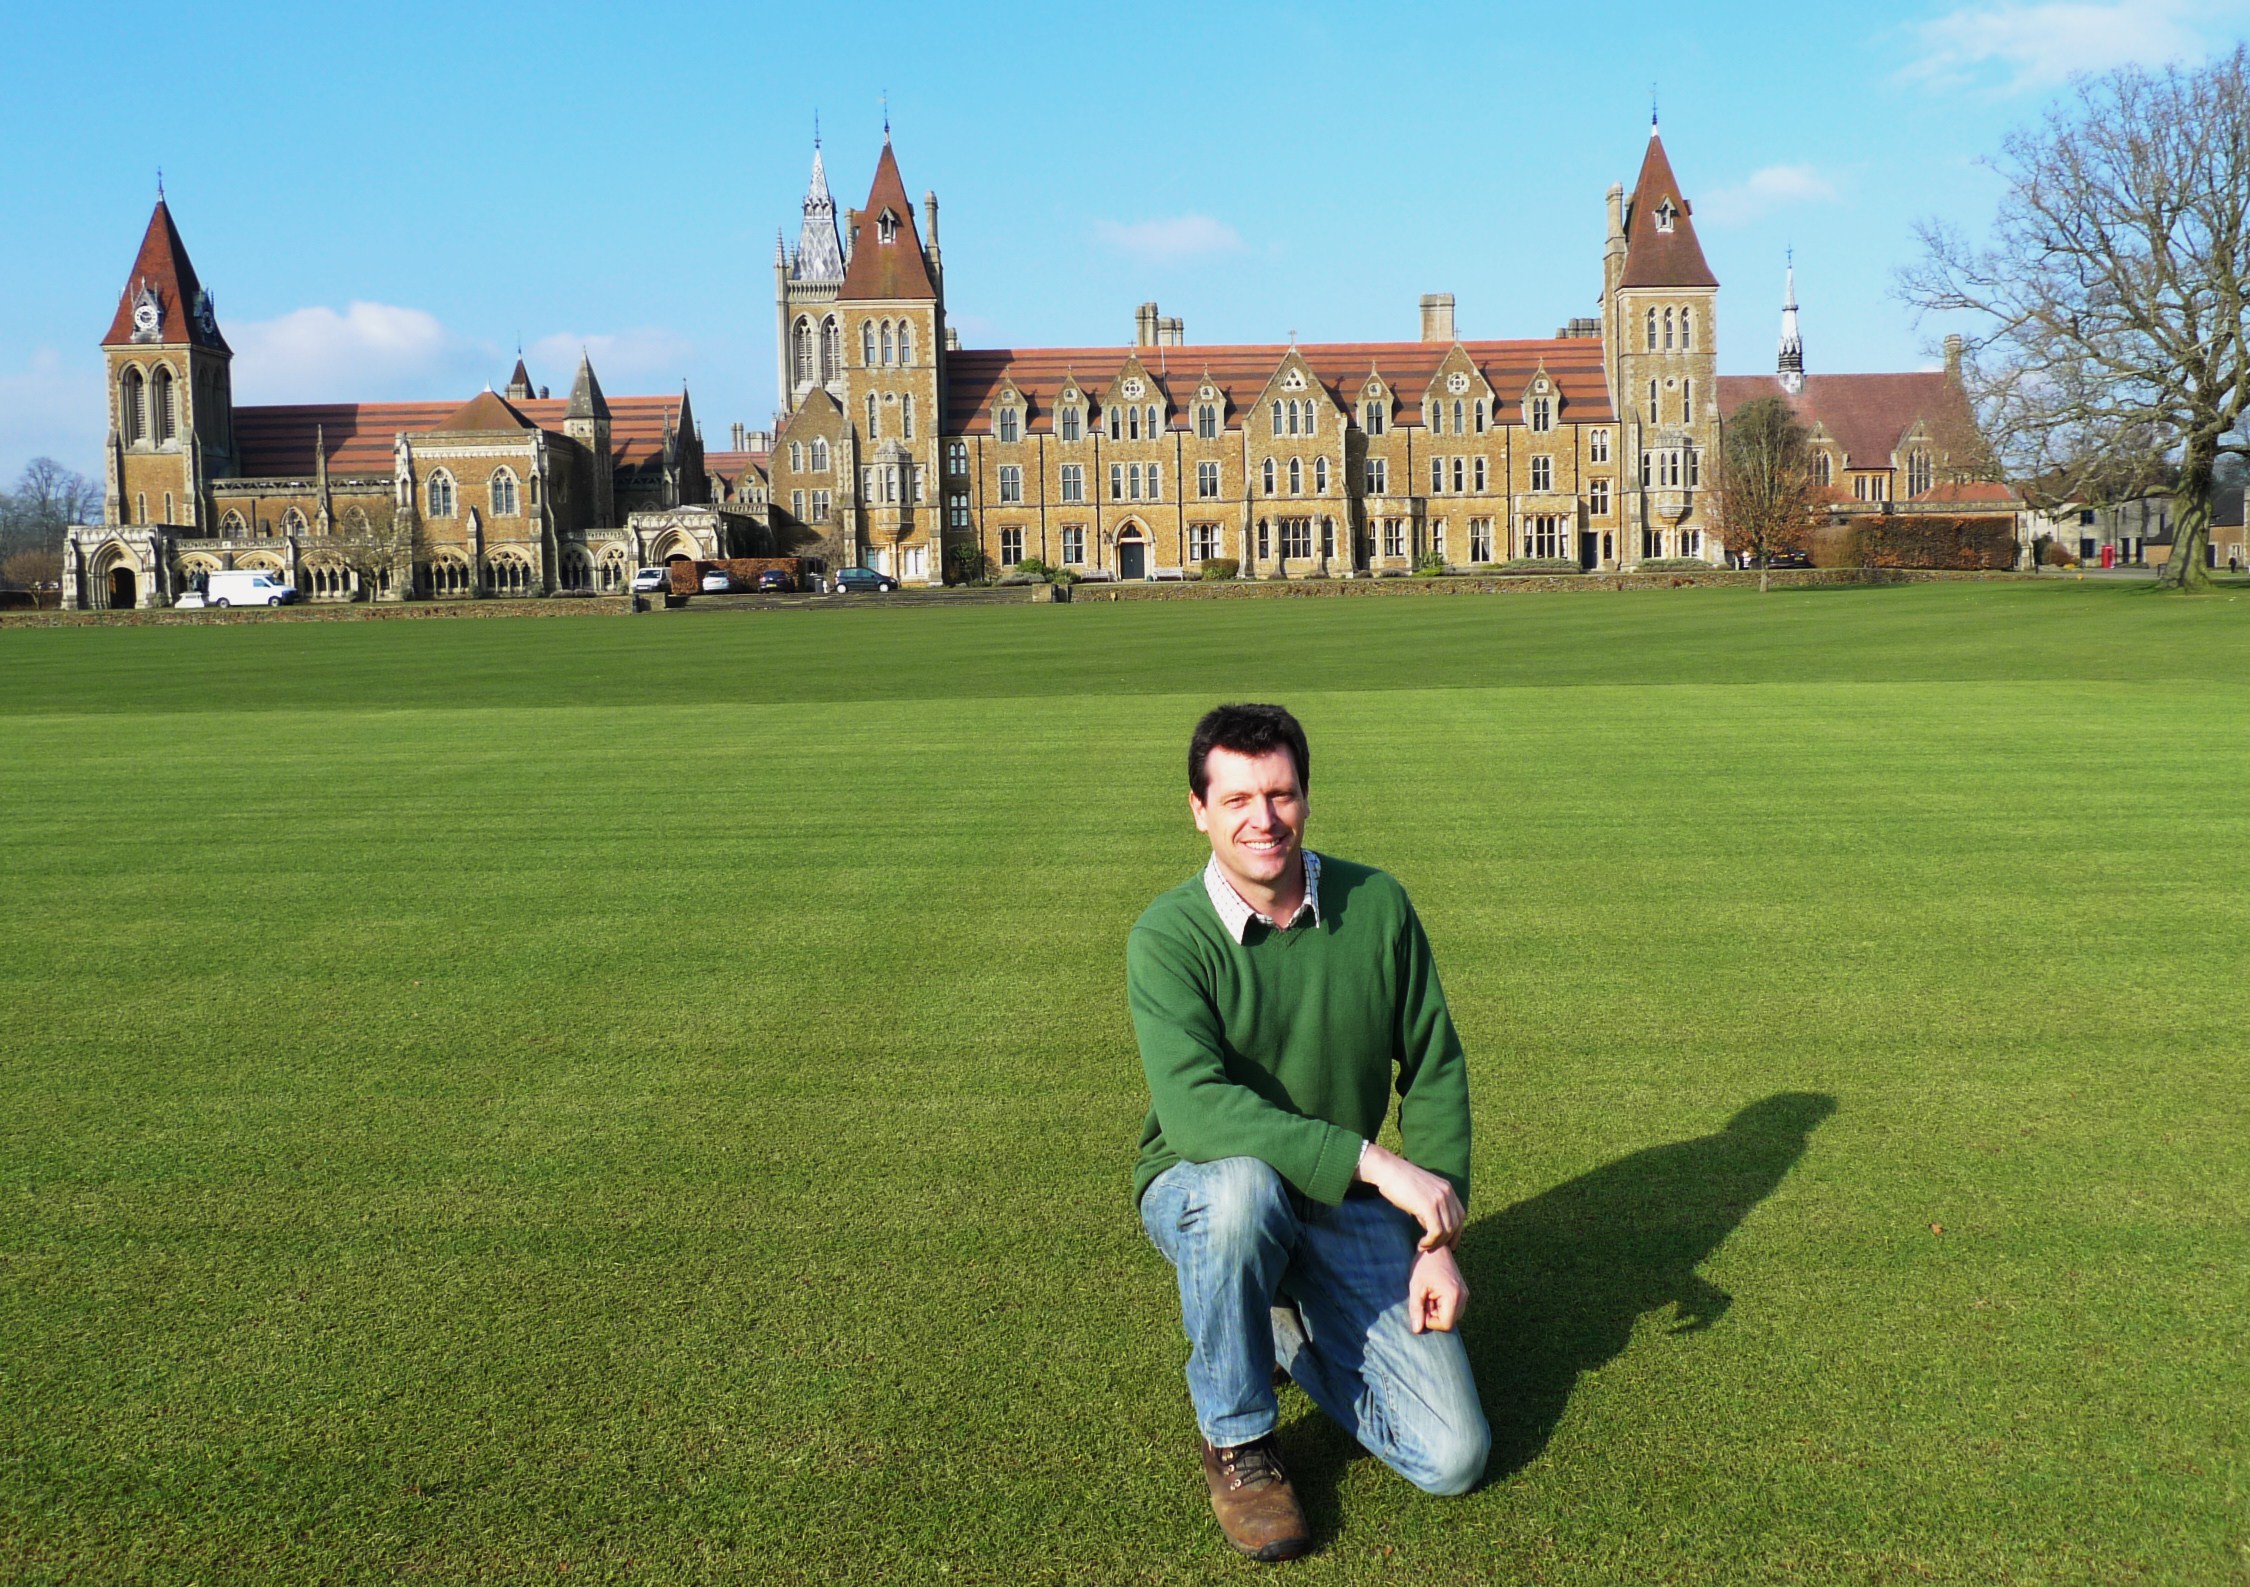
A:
(1069, 418)
(1007, 422)
(1373, 410)
(886, 227)
(1666, 213)
(1207, 421)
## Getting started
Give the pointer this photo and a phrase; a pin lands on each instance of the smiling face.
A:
(1253, 809)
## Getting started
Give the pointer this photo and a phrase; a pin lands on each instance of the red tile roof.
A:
(163, 263)
(278, 442)
(1967, 492)
(733, 465)
(974, 377)
(884, 270)
(1867, 415)
(1656, 258)
(485, 411)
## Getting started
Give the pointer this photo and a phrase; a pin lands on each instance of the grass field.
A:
(651, 1099)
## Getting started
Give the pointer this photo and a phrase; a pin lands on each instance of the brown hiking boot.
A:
(1256, 1506)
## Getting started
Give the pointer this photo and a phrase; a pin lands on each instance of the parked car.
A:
(190, 601)
(1789, 559)
(652, 581)
(246, 587)
(776, 579)
(856, 580)
(717, 582)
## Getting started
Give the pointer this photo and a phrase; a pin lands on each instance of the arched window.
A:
(1652, 330)
(1277, 416)
(1320, 476)
(508, 574)
(1687, 329)
(1458, 427)
(1269, 476)
(504, 494)
(132, 415)
(449, 575)
(577, 569)
(873, 416)
(1207, 422)
(803, 366)
(163, 410)
(1155, 422)
(867, 343)
(906, 417)
(886, 341)
(831, 349)
(231, 527)
(1667, 330)
(1296, 476)
(441, 494)
(820, 455)
(293, 522)
(1823, 469)
(1132, 424)
(1310, 410)
(905, 344)
(796, 457)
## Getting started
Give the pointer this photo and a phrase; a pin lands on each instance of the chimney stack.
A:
(738, 446)
(1953, 359)
(1437, 316)
(1144, 325)
(1171, 331)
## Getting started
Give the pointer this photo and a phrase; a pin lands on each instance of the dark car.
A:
(855, 580)
(1789, 559)
(776, 579)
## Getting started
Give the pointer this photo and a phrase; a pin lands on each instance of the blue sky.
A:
(385, 201)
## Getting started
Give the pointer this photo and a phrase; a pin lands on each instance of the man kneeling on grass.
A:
(1275, 996)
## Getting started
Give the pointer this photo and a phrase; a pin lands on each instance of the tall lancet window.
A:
(831, 349)
(804, 363)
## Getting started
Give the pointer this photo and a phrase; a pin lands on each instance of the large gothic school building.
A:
(896, 448)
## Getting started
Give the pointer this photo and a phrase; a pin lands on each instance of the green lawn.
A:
(653, 1096)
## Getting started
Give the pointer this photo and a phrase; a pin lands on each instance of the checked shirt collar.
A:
(1236, 915)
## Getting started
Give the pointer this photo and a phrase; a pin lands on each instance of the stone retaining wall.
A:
(1512, 584)
(340, 612)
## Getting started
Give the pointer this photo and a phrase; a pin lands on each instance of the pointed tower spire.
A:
(519, 382)
(163, 301)
(586, 400)
(1660, 245)
(890, 263)
(1790, 367)
(820, 253)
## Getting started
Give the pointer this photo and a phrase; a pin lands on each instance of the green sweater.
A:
(1283, 1047)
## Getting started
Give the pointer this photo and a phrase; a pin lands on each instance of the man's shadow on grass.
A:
(1557, 1282)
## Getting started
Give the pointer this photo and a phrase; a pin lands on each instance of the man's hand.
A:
(1436, 1295)
(1429, 1199)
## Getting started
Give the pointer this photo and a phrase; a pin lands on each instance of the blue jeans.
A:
(1268, 1276)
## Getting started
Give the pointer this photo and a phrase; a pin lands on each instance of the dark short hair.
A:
(1247, 730)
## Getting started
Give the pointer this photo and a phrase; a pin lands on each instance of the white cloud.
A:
(52, 408)
(368, 352)
(2018, 47)
(1170, 239)
(620, 358)
(1772, 188)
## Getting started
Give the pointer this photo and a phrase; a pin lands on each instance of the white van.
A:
(245, 587)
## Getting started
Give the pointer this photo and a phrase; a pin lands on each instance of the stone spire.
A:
(820, 252)
(1790, 368)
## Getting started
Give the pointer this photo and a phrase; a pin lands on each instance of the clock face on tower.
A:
(144, 316)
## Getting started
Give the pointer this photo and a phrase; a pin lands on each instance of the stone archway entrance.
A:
(1132, 555)
(123, 588)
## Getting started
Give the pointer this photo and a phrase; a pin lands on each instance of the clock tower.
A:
(171, 392)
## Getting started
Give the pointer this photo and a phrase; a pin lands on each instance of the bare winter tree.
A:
(1766, 495)
(2114, 292)
(48, 498)
(378, 541)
